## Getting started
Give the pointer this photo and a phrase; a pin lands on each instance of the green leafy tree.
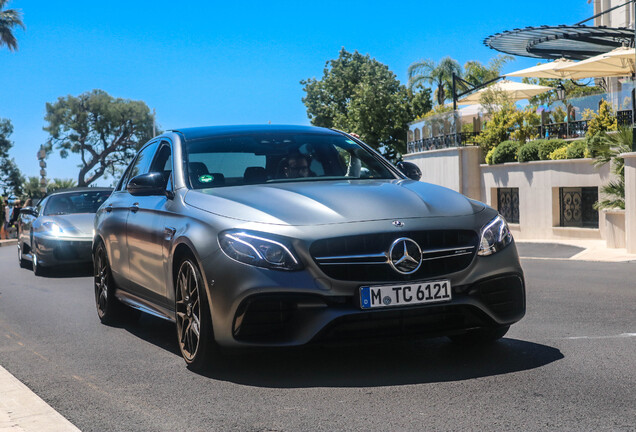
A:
(57, 184)
(573, 89)
(32, 189)
(607, 148)
(507, 122)
(420, 100)
(104, 131)
(9, 19)
(439, 75)
(603, 121)
(11, 178)
(361, 95)
(477, 73)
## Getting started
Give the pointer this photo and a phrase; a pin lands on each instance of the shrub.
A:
(560, 153)
(548, 147)
(605, 120)
(506, 152)
(489, 155)
(576, 150)
(529, 151)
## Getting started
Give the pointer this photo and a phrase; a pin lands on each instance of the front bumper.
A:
(259, 307)
(55, 250)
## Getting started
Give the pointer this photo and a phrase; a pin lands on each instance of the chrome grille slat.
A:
(365, 258)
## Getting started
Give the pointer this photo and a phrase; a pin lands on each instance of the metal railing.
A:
(572, 129)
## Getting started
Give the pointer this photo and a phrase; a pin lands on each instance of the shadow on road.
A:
(359, 365)
(423, 361)
(67, 271)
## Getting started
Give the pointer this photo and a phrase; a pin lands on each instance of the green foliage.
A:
(573, 89)
(31, 188)
(558, 115)
(607, 148)
(576, 149)
(477, 73)
(506, 152)
(58, 184)
(440, 75)
(603, 121)
(9, 19)
(11, 178)
(508, 123)
(559, 154)
(420, 101)
(529, 151)
(548, 146)
(361, 95)
(105, 131)
(489, 155)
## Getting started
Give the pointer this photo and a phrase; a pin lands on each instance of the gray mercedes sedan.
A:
(285, 235)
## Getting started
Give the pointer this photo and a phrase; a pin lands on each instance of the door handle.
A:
(134, 208)
(108, 208)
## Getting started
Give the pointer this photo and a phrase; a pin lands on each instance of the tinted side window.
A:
(140, 164)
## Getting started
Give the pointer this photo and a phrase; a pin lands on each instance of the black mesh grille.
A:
(381, 242)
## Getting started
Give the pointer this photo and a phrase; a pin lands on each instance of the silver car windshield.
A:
(268, 158)
(75, 202)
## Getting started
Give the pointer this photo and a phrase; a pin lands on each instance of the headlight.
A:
(494, 236)
(52, 228)
(257, 250)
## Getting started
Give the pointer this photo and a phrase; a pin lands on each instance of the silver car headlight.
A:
(258, 250)
(495, 236)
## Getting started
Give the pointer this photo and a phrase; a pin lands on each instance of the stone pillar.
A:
(630, 201)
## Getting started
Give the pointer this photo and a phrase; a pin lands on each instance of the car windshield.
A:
(75, 202)
(279, 157)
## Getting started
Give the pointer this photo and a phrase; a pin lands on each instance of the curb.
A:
(10, 242)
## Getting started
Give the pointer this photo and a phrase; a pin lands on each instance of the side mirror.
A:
(147, 184)
(410, 170)
(28, 211)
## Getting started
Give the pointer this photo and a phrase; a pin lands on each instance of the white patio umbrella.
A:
(515, 90)
(546, 70)
(618, 62)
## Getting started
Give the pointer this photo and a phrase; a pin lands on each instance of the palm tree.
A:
(9, 18)
(607, 148)
(440, 75)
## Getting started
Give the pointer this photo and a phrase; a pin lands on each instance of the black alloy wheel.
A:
(194, 325)
(109, 309)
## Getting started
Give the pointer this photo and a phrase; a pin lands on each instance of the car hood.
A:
(73, 225)
(332, 202)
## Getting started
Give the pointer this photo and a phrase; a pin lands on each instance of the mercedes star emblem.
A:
(405, 256)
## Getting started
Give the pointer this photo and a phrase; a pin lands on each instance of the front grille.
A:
(364, 257)
(431, 321)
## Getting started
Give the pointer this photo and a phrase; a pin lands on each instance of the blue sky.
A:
(211, 63)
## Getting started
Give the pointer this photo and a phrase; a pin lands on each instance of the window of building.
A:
(577, 207)
(508, 204)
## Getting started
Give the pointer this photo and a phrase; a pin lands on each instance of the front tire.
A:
(38, 270)
(23, 263)
(109, 309)
(194, 324)
(484, 335)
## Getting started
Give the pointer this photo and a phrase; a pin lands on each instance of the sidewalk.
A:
(21, 410)
(579, 250)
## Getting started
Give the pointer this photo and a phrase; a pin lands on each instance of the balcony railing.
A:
(573, 129)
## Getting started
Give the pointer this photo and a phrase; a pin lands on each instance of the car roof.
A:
(211, 131)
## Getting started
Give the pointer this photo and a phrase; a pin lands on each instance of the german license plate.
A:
(382, 296)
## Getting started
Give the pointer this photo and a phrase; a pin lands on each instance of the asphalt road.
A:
(570, 364)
